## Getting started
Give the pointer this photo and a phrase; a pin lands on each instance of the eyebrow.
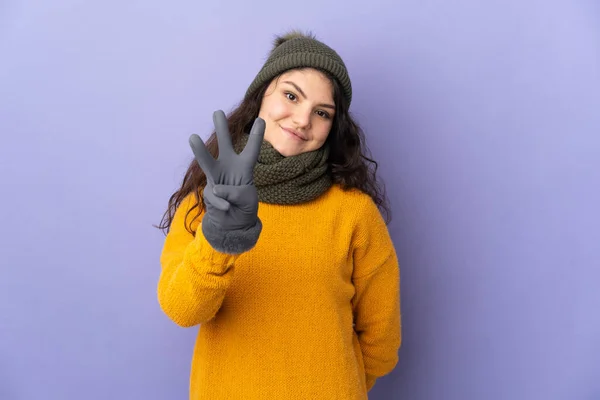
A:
(304, 95)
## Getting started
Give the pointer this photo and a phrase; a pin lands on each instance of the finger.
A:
(234, 194)
(203, 157)
(222, 130)
(257, 133)
(215, 201)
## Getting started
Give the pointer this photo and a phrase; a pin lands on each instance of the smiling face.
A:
(298, 110)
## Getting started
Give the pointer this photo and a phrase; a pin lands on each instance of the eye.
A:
(323, 114)
(290, 96)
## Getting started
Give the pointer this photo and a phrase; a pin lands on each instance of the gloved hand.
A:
(230, 223)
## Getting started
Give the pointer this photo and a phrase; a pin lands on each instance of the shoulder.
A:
(370, 242)
(348, 194)
(366, 219)
(355, 202)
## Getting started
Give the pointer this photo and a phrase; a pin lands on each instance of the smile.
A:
(294, 134)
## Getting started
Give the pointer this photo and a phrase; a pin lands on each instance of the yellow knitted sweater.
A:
(311, 312)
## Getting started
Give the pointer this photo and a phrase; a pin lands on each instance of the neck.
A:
(289, 180)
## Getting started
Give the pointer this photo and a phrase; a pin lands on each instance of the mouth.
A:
(294, 133)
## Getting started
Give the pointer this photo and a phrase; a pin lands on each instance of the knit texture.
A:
(311, 312)
(296, 50)
(289, 180)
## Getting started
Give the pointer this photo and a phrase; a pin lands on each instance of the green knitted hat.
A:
(298, 50)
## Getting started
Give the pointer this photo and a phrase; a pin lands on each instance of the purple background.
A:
(485, 117)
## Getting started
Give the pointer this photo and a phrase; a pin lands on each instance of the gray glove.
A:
(230, 223)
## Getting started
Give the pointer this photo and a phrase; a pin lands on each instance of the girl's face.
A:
(298, 110)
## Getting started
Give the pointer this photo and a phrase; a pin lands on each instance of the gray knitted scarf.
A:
(289, 180)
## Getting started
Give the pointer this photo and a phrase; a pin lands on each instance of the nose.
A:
(301, 117)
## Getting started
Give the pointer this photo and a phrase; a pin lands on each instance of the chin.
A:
(287, 151)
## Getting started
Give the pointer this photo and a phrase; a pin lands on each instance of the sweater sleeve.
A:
(194, 276)
(376, 302)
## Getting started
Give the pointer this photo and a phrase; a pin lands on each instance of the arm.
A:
(197, 270)
(194, 276)
(377, 300)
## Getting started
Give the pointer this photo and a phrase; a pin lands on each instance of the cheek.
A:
(321, 130)
(273, 111)
(278, 110)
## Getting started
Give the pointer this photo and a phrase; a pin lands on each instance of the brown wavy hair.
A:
(350, 164)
